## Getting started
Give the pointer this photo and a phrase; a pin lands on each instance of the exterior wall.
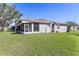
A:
(74, 28)
(47, 28)
(43, 28)
(61, 28)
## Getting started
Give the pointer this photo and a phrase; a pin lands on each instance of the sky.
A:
(59, 12)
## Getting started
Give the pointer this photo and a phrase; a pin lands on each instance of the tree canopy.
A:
(71, 23)
(8, 12)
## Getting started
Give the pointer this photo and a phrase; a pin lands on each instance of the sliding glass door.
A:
(36, 26)
(28, 27)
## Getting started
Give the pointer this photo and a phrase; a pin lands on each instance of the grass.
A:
(51, 44)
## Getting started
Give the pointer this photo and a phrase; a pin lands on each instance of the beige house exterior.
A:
(34, 26)
(40, 26)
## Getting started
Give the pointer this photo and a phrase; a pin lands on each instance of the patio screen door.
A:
(28, 27)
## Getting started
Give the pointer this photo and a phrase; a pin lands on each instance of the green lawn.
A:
(57, 44)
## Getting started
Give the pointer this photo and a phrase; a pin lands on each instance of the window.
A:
(28, 27)
(36, 26)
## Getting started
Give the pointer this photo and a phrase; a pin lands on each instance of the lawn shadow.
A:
(76, 34)
(16, 33)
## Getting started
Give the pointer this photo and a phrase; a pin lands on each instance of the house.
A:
(59, 27)
(34, 26)
(75, 27)
(39, 26)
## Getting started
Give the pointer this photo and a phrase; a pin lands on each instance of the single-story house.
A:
(39, 26)
(75, 27)
(59, 27)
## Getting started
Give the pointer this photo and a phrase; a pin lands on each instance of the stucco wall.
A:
(61, 28)
(72, 28)
(47, 28)
(43, 28)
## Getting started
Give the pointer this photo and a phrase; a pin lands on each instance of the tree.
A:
(71, 23)
(8, 12)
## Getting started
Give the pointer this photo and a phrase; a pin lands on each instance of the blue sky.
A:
(52, 11)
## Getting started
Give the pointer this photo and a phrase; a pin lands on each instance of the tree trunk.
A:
(68, 28)
(5, 28)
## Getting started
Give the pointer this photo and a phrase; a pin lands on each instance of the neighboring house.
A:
(78, 27)
(39, 26)
(59, 27)
(75, 27)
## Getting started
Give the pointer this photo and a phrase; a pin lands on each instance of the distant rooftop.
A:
(63, 24)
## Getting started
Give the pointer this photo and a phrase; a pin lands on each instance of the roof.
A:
(36, 21)
(62, 24)
(42, 21)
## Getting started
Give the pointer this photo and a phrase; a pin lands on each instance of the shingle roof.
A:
(39, 21)
(63, 24)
